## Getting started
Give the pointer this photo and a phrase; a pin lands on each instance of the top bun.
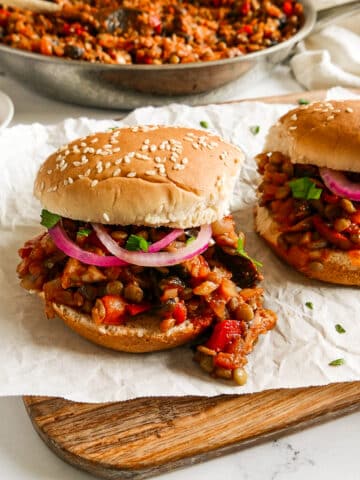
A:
(148, 175)
(326, 134)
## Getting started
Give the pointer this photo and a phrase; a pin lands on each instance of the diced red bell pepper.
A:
(331, 235)
(136, 308)
(179, 313)
(329, 197)
(245, 8)
(288, 8)
(224, 333)
(355, 217)
(114, 306)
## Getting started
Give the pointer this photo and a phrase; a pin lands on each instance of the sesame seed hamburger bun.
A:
(151, 176)
(326, 134)
(318, 233)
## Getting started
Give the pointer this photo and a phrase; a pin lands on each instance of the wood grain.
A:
(148, 436)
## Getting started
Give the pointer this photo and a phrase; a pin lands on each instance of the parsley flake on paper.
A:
(339, 328)
(337, 363)
(136, 243)
(204, 124)
(304, 188)
(309, 305)
(48, 219)
(255, 129)
(240, 250)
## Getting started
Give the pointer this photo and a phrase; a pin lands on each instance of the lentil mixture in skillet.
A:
(156, 32)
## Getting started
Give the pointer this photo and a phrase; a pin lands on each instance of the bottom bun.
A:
(338, 267)
(137, 336)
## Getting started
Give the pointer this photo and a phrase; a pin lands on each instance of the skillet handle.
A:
(39, 6)
(331, 14)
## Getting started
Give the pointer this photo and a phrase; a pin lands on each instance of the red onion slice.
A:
(164, 242)
(160, 259)
(340, 185)
(63, 242)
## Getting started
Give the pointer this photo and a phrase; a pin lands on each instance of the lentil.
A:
(163, 32)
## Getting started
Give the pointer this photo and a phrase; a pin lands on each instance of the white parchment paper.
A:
(43, 357)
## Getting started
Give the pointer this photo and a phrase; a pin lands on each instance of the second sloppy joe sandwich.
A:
(309, 198)
(140, 253)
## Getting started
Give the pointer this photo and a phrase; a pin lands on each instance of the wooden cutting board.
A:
(148, 436)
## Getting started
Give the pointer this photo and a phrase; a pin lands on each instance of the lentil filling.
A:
(156, 32)
(216, 289)
(309, 227)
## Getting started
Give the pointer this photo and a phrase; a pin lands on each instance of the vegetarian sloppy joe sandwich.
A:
(309, 208)
(140, 253)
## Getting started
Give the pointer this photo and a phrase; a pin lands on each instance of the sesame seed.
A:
(117, 149)
(293, 127)
(70, 180)
(107, 164)
(196, 146)
(113, 141)
(42, 186)
(67, 152)
(94, 182)
(94, 140)
(349, 110)
(293, 117)
(118, 161)
(63, 167)
(87, 173)
(127, 159)
(106, 217)
(150, 172)
(65, 182)
(49, 172)
(153, 148)
(330, 117)
(185, 161)
(82, 144)
(145, 148)
(147, 141)
(108, 146)
(177, 166)
(135, 129)
(116, 172)
(84, 159)
(157, 159)
(131, 174)
(98, 151)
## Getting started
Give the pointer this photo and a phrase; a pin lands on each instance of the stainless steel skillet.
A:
(126, 86)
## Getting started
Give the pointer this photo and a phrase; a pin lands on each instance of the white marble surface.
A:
(328, 451)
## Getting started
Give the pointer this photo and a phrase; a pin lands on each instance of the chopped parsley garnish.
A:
(84, 232)
(339, 328)
(240, 250)
(303, 101)
(337, 362)
(136, 243)
(255, 129)
(48, 219)
(190, 240)
(111, 129)
(305, 189)
(309, 305)
(204, 124)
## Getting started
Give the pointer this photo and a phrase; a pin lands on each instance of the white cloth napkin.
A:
(330, 57)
